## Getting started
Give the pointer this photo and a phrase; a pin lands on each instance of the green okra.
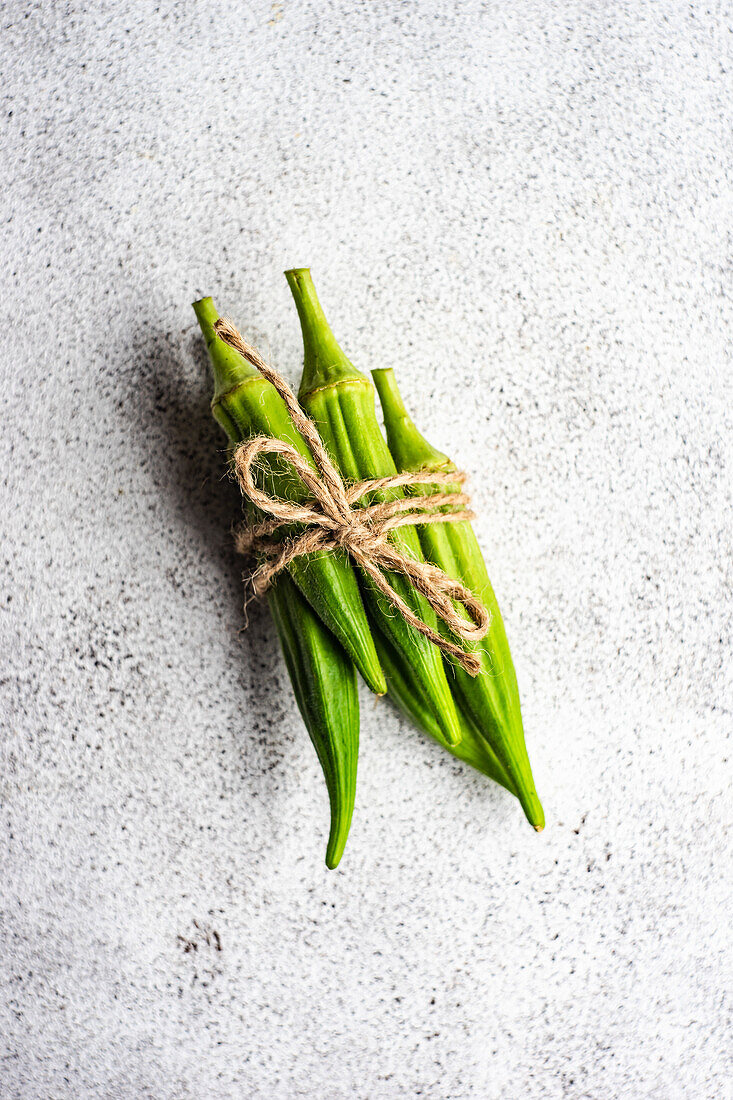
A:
(490, 701)
(340, 399)
(321, 672)
(324, 683)
(246, 404)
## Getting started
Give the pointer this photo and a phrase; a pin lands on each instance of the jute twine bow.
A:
(333, 521)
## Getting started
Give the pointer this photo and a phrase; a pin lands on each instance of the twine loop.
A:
(334, 519)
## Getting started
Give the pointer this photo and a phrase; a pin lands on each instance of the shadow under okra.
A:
(168, 415)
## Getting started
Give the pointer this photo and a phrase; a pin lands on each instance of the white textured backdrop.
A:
(525, 208)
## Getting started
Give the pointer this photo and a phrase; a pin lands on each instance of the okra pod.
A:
(322, 675)
(246, 404)
(340, 399)
(490, 701)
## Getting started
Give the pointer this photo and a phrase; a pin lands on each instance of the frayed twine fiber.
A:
(334, 522)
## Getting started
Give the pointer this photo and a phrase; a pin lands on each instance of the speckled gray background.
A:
(526, 208)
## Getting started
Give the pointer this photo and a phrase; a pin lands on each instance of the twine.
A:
(334, 520)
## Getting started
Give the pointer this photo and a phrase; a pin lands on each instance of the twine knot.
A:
(333, 518)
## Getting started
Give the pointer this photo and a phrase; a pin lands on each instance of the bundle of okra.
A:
(332, 618)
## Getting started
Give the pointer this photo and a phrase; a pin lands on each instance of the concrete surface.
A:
(526, 208)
